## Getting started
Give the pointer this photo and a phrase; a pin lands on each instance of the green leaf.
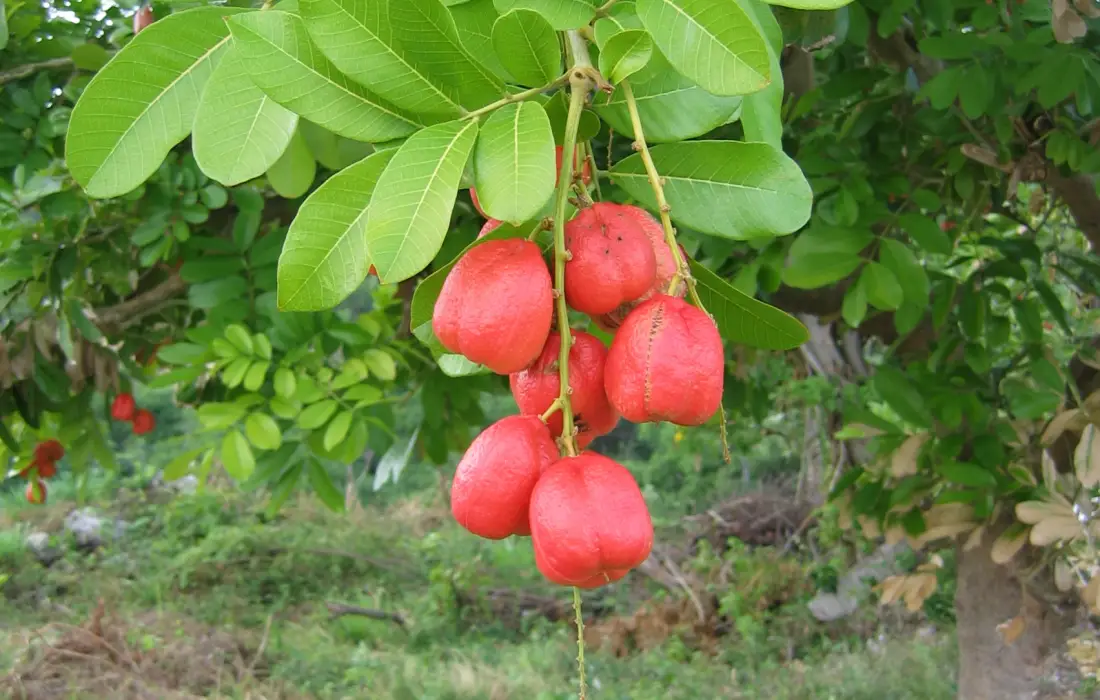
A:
(424, 298)
(724, 188)
(263, 432)
(761, 112)
(233, 375)
(215, 416)
(239, 131)
(316, 415)
(240, 337)
(1053, 304)
(625, 54)
(254, 378)
(338, 429)
(180, 465)
(810, 4)
(324, 488)
(380, 364)
(86, 56)
(114, 144)
(901, 395)
(966, 474)
(883, 290)
(474, 20)
(286, 385)
(325, 257)
(3, 34)
(926, 233)
(292, 175)
(528, 48)
(409, 53)
(907, 269)
(854, 307)
(975, 98)
(561, 14)
(714, 43)
(823, 255)
(181, 353)
(418, 189)
(744, 320)
(237, 456)
(394, 461)
(514, 162)
(671, 107)
(279, 56)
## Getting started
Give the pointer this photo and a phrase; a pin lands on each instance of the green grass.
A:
(208, 572)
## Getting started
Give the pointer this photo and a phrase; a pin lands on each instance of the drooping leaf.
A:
(562, 14)
(239, 131)
(337, 429)
(418, 189)
(671, 107)
(514, 162)
(408, 53)
(292, 175)
(714, 43)
(325, 257)
(725, 188)
(180, 465)
(115, 144)
(744, 320)
(324, 488)
(625, 54)
(394, 461)
(263, 431)
(236, 455)
(527, 47)
(283, 62)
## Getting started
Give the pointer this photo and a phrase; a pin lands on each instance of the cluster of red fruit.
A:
(586, 516)
(124, 408)
(43, 466)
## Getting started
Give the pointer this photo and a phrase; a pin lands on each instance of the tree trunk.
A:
(989, 595)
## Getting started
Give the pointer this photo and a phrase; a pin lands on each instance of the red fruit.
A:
(36, 492)
(372, 271)
(490, 226)
(612, 261)
(536, 387)
(143, 18)
(586, 170)
(666, 269)
(48, 451)
(589, 522)
(666, 363)
(493, 482)
(47, 470)
(496, 304)
(477, 204)
(123, 407)
(144, 422)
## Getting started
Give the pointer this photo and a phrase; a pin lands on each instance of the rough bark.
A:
(988, 595)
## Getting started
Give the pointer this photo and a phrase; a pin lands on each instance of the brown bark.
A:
(112, 319)
(988, 595)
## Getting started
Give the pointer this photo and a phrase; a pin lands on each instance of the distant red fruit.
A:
(123, 407)
(48, 451)
(144, 422)
(143, 18)
(589, 522)
(36, 492)
(47, 470)
(492, 485)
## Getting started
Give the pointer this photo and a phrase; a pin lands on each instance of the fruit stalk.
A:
(580, 83)
(670, 235)
(580, 641)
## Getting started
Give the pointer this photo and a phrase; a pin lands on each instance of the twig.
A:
(580, 643)
(337, 610)
(263, 643)
(517, 97)
(679, 577)
(31, 68)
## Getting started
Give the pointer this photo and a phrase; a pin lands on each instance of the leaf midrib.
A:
(709, 183)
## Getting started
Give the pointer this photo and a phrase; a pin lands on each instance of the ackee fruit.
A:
(496, 304)
(492, 485)
(666, 363)
(589, 522)
(536, 387)
(48, 451)
(144, 422)
(490, 226)
(611, 260)
(36, 492)
(123, 407)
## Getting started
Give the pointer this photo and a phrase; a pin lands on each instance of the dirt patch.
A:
(151, 656)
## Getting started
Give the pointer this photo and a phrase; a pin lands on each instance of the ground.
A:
(205, 597)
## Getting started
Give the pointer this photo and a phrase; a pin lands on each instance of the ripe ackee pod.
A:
(666, 269)
(589, 522)
(496, 304)
(144, 422)
(48, 452)
(611, 260)
(492, 486)
(36, 492)
(490, 226)
(123, 407)
(666, 363)
(536, 387)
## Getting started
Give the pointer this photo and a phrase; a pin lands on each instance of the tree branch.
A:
(340, 609)
(112, 319)
(28, 69)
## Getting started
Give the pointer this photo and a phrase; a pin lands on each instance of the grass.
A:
(204, 598)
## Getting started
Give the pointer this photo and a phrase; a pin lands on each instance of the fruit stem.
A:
(580, 641)
(554, 407)
(580, 83)
(682, 270)
(590, 158)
